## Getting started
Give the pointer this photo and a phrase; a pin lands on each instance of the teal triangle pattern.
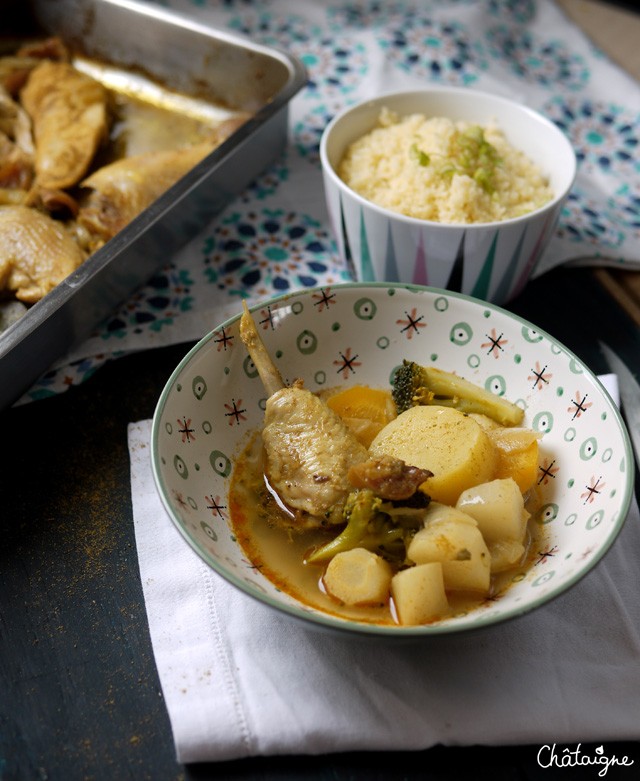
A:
(533, 257)
(457, 270)
(366, 266)
(420, 265)
(481, 287)
(503, 289)
(348, 255)
(390, 263)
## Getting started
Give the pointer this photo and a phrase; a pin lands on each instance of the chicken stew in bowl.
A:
(401, 505)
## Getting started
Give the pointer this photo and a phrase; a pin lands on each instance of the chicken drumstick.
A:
(308, 448)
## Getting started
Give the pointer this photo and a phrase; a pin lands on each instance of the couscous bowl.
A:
(448, 187)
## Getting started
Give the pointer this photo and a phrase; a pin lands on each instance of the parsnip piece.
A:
(449, 443)
(418, 594)
(498, 507)
(454, 540)
(505, 555)
(358, 577)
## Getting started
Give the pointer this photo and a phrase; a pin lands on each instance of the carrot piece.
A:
(365, 410)
(521, 465)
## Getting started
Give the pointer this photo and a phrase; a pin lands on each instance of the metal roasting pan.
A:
(186, 56)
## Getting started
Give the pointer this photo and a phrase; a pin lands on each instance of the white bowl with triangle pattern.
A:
(492, 261)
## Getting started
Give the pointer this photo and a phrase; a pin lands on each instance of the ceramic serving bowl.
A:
(492, 261)
(358, 334)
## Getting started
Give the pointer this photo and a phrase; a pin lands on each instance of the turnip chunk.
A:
(505, 554)
(358, 577)
(418, 594)
(498, 507)
(453, 539)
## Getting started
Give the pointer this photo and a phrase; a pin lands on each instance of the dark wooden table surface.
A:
(79, 692)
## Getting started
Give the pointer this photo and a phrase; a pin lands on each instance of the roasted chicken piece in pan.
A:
(16, 146)
(14, 72)
(16, 68)
(308, 449)
(36, 252)
(70, 122)
(118, 192)
(16, 171)
(15, 123)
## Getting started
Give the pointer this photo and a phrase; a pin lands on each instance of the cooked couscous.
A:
(444, 171)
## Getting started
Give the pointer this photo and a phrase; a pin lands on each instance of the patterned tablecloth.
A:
(276, 237)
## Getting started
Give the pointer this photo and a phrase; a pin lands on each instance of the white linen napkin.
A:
(241, 680)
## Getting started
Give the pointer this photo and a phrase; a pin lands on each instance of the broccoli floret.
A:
(410, 386)
(359, 509)
(416, 385)
(375, 524)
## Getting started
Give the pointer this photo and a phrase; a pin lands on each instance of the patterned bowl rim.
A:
(536, 116)
(321, 620)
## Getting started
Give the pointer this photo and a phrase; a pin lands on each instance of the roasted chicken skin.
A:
(16, 145)
(70, 122)
(36, 253)
(120, 191)
(308, 449)
(308, 452)
(15, 171)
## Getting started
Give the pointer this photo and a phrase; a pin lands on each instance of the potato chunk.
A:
(498, 507)
(449, 443)
(418, 594)
(358, 577)
(454, 540)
